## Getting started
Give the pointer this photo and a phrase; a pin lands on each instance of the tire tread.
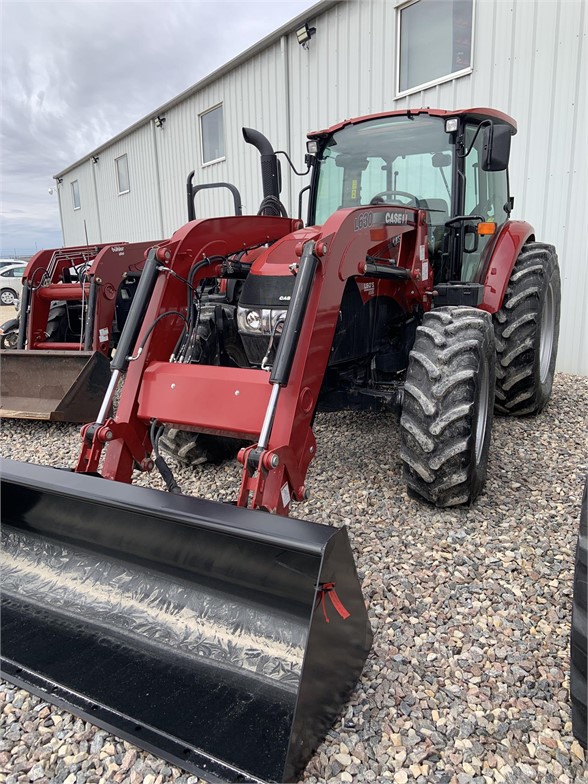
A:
(579, 634)
(519, 390)
(438, 413)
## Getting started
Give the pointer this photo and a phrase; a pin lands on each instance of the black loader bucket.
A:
(224, 640)
(61, 386)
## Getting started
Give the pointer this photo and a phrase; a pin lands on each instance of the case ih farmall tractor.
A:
(222, 637)
(452, 311)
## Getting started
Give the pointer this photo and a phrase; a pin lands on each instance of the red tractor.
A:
(410, 287)
(225, 638)
(55, 357)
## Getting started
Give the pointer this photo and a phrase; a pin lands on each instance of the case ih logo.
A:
(118, 249)
(396, 218)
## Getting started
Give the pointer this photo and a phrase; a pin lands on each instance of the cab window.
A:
(486, 194)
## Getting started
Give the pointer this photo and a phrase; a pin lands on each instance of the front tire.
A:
(527, 331)
(579, 642)
(448, 406)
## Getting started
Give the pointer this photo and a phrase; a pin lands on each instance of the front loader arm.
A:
(274, 470)
(205, 241)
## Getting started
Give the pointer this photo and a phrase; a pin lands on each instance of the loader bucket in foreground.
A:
(61, 386)
(222, 639)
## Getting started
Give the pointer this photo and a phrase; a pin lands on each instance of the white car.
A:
(11, 283)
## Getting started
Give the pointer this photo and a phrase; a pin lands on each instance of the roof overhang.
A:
(478, 113)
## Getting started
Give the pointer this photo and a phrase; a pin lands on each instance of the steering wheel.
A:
(394, 195)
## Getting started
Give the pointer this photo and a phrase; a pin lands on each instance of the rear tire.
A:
(527, 331)
(579, 642)
(448, 406)
(193, 449)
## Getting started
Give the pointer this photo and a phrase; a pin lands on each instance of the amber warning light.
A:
(486, 228)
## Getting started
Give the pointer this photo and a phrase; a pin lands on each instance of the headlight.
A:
(263, 321)
(277, 321)
(248, 320)
(253, 320)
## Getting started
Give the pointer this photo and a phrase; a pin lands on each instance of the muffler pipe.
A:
(270, 172)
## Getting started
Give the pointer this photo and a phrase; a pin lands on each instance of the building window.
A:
(212, 135)
(122, 174)
(434, 42)
(75, 194)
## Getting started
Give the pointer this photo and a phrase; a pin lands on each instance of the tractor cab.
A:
(452, 165)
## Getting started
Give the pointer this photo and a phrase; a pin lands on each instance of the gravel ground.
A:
(468, 677)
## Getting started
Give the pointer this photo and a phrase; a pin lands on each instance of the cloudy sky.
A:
(74, 74)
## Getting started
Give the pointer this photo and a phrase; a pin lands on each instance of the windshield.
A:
(390, 160)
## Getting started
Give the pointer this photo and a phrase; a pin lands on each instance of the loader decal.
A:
(364, 220)
(367, 219)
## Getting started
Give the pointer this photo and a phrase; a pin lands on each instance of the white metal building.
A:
(524, 57)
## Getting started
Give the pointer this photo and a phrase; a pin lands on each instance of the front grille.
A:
(256, 347)
(267, 291)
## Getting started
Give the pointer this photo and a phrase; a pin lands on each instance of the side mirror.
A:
(441, 160)
(496, 151)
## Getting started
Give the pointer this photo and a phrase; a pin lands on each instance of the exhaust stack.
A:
(271, 177)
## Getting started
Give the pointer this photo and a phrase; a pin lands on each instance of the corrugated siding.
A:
(529, 61)
(78, 223)
(131, 216)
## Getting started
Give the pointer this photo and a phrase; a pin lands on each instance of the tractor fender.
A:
(9, 326)
(498, 268)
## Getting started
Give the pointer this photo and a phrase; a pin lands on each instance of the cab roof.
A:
(478, 113)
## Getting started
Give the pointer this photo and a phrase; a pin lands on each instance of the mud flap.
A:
(225, 640)
(59, 386)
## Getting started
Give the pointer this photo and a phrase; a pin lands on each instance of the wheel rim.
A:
(7, 298)
(483, 409)
(547, 331)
